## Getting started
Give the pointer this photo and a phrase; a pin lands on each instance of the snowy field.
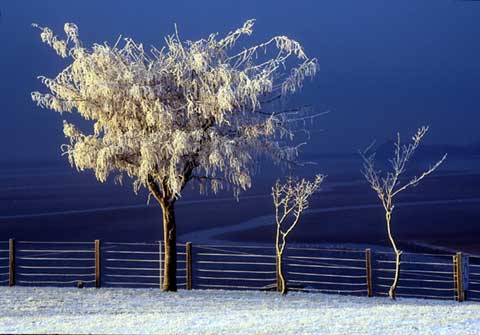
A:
(149, 311)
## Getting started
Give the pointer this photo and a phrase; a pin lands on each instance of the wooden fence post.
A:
(459, 277)
(160, 263)
(188, 251)
(368, 265)
(97, 263)
(11, 262)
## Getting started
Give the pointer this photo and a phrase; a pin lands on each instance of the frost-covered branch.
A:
(389, 185)
(415, 180)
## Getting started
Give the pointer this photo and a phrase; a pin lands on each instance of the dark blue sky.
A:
(385, 65)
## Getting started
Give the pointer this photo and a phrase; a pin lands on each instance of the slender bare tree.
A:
(290, 200)
(188, 111)
(389, 185)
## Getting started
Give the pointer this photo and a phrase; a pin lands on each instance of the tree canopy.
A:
(190, 110)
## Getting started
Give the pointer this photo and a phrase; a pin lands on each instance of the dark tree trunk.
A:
(166, 199)
(170, 241)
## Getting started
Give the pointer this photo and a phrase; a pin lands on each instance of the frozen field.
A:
(148, 311)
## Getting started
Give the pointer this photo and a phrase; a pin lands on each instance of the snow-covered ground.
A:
(149, 311)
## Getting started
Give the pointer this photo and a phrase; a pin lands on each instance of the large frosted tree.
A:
(188, 111)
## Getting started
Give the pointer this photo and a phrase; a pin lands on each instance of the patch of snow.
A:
(150, 311)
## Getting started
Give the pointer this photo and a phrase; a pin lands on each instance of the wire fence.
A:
(138, 264)
(233, 267)
(422, 275)
(328, 271)
(473, 291)
(239, 267)
(54, 263)
(4, 263)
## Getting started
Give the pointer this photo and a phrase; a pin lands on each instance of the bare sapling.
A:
(387, 186)
(290, 200)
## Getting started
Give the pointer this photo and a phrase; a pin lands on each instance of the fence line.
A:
(56, 274)
(55, 267)
(234, 263)
(237, 278)
(336, 270)
(327, 275)
(53, 242)
(328, 266)
(235, 271)
(55, 251)
(234, 255)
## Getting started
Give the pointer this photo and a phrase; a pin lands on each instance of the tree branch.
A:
(416, 180)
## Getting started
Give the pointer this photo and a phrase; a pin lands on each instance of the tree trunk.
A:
(391, 292)
(279, 248)
(281, 285)
(170, 241)
(398, 253)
